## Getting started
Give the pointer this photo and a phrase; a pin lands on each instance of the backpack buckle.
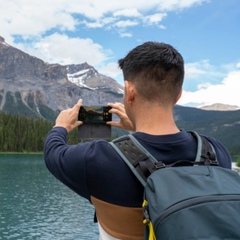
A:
(159, 165)
(146, 217)
(209, 162)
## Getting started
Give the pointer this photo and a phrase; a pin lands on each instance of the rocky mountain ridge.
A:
(33, 87)
(87, 76)
(220, 107)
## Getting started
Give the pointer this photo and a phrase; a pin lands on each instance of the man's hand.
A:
(119, 110)
(68, 118)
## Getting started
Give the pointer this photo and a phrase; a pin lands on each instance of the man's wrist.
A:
(60, 126)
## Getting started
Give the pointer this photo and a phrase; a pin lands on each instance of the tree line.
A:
(19, 133)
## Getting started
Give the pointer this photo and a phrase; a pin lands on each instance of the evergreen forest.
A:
(19, 133)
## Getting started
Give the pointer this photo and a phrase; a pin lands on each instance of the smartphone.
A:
(94, 114)
(94, 120)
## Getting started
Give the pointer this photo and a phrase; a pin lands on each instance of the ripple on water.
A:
(35, 206)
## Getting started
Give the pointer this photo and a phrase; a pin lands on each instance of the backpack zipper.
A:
(194, 201)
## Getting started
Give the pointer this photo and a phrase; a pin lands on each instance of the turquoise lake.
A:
(34, 205)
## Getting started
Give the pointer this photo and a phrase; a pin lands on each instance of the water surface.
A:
(34, 205)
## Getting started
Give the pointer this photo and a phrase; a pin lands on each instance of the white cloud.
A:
(95, 9)
(173, 5)
(204, 85)
(112, 70)
(226, 92)
(128, 12)
(32, 17)
(213, 84)
(125, 34)
(61, 49)
(199, 74)
(162, 26)
(192, 70)
(154, 18)
(96, 24)
(100, 23)
(125, 23)
(203, 67)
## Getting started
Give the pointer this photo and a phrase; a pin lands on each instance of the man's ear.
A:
(130, 91)
(178, 96)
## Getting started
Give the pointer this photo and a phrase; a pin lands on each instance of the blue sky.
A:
(205, 32)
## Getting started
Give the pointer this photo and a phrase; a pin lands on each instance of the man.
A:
(153, 76)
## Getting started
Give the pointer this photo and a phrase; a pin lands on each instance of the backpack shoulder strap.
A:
(205, 151)
(142, 163)
(138, 159)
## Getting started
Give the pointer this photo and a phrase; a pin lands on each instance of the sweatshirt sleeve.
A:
(67, 162)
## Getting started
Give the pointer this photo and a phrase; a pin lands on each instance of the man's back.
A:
(96, 172)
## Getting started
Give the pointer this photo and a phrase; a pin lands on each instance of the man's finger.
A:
(113, 124)
(118, 112)
(78, 123)
(78, 104)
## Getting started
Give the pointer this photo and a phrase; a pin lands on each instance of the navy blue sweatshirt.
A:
(95, 171)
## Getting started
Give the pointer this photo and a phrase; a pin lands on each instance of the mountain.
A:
(220, 107)
(35, 88)
(223, 125)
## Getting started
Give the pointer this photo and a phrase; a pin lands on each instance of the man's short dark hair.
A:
(157, 70)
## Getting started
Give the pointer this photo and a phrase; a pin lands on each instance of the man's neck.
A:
(155, 121)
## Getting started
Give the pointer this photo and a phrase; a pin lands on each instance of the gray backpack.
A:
(186, 200)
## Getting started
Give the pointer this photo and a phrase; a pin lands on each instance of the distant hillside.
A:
(220, 107)
(223, 125)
